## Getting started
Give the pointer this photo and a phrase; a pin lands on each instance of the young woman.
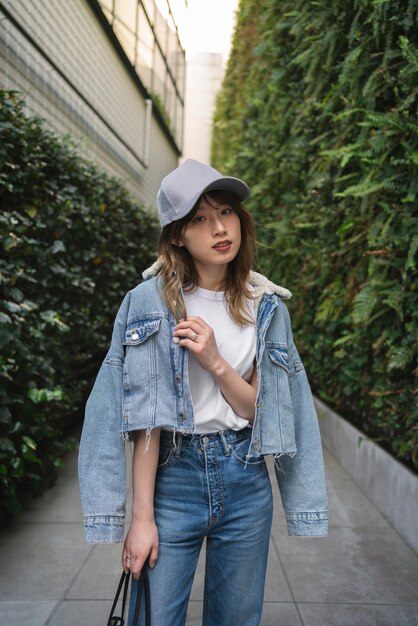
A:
(204, 376)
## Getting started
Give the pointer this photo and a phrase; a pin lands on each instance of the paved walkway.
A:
(363, 574)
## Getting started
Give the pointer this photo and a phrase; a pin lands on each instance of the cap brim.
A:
(229, 183)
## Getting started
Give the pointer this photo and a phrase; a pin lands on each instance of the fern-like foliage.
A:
(318, 113)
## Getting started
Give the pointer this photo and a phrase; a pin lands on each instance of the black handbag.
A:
(143, 593)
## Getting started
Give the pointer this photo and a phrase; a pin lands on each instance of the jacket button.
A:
(135, 336)
(182, 416)
(176, 339)
(177, 378)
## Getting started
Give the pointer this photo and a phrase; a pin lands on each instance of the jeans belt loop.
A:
(225, 443)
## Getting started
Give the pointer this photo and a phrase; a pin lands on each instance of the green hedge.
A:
(318, 113)
(73, 242)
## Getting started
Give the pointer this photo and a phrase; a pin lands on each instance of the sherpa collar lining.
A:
(258, 281)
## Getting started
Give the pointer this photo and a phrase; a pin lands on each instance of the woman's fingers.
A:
(140, 544)
(199, 338)
(196, 319)
(192, 326)
(194, 329)
(153, 556)
(194, 322)
(126, 560)
(136, 567)
(136, 563)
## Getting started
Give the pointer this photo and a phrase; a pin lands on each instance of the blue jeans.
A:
(205, 488)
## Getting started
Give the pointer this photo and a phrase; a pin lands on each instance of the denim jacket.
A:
(143, 384)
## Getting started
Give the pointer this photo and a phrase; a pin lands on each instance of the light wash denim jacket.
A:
(143, 384)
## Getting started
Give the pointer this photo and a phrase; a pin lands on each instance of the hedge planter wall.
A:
(318, 113)
(73, 242)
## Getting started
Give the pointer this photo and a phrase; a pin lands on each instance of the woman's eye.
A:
(227, 211)
(197, 219)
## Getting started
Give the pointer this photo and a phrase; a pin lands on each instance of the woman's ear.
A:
(178, 243)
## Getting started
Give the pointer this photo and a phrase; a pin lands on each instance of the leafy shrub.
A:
(73, 242)
(318, 113)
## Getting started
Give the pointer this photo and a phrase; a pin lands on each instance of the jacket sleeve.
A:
(101, 464)
(301, 477)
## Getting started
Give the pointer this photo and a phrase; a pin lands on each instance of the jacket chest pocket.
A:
(279, 367)
(140, 365)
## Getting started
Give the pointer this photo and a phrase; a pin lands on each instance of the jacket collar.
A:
(260, 283)
(264, 285)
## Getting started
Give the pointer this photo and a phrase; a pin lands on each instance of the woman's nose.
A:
(219, 226)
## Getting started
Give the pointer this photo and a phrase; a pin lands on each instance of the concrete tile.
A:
(348, 506)
(361, 565)
(59, 504)
(42, 560)
(333, 470)
(392, 487)
(358, 615)
(88, 612)
(194, 613)
(276, 589)
(335, 434)
(282, 613)
(279, 520)
(25, 613)
(98, 578)
(69, 465)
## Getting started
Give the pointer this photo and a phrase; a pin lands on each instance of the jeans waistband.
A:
(206, 440)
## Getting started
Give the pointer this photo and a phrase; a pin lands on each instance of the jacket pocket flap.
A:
(278, 353)
(141, 331)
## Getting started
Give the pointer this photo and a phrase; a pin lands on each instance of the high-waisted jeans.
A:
(206, 488)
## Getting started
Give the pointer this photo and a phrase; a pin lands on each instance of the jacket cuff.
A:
(104, 529)
(307, 524)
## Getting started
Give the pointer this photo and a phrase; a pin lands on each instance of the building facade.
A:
(204, 74)
(110, 72)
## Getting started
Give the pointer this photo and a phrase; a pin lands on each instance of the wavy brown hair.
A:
(179, 271)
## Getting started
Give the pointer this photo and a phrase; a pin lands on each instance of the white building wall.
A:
(102, 107)
(204, 74)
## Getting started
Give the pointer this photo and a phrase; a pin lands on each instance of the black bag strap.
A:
(143, 589)
(113, 619)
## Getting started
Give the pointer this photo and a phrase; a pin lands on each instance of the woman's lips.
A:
(222, 246)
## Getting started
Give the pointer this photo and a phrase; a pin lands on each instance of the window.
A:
(145, 49)
(148, 35)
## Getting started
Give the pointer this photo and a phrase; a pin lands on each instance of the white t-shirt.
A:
(237, 346)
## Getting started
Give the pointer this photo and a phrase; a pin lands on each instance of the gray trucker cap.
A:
(182, 188)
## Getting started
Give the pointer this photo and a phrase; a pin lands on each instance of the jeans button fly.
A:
(205, 439)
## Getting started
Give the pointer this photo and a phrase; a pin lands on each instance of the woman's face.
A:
(213, 235)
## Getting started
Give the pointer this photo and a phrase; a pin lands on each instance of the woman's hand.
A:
(141, 542)
(199, 338)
